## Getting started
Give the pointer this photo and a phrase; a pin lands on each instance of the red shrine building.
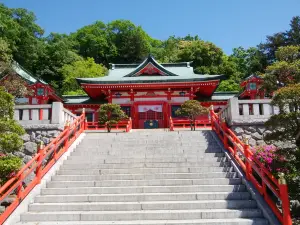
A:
(148, 92)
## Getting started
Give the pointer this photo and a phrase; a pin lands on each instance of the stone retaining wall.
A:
(35, 134)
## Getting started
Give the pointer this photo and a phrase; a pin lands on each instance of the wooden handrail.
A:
(125, 125)
(185, 123)
(54, 150)
(255, 171)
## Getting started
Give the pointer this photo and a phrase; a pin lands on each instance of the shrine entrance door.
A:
(150, 116)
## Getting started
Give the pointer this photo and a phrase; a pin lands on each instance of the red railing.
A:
(274, 191)
(125, 125)
(185, 123)
(38, 166)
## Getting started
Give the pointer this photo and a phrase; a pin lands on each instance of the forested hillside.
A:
(87, 52)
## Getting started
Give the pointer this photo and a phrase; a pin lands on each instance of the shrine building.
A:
(148, 91)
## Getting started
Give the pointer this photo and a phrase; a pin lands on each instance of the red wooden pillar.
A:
(247, 156)
(283, 189)
(40, 163)
(109, 96)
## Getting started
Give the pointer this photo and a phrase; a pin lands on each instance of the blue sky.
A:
(227, 23)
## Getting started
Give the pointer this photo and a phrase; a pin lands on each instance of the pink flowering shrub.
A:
(269, 157)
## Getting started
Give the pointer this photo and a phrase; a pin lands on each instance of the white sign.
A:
(145, 108)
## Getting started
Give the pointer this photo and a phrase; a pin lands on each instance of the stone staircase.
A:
(145, 177)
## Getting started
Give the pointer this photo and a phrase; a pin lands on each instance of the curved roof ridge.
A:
(151, 60)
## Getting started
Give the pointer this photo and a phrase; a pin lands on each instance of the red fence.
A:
(125, 125)
(185, 123)
(273, 191)
(39, 165)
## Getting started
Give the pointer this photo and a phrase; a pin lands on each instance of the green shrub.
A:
(9, 165)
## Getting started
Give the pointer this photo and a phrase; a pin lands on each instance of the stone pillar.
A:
(233, 110)
(57, 116)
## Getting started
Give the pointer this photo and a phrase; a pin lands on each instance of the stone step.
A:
(112, 155)
(151, 205)
(99, 160)
(140, 197)
(68, 165)
(141, 215)
(203, 169)
(157, 182)
(143, 176)
(239, 221)
(143, 189)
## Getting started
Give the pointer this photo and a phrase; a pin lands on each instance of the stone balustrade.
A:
(248, 112)
(53, 113)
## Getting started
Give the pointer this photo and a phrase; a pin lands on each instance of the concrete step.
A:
(151, 205)
(239, 221)
(98, 160)
(185, 156)
(143, 176)
(141, 215)
(143, 189)
(68, 165)
(203, 169)
(157, 182)
(140, 197)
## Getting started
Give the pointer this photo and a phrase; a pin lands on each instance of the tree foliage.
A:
(285, 127)
(77, 69)
(10, 131)
(192, 109)
(285, 71)
(110, 114)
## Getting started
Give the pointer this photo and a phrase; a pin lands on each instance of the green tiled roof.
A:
(175, 72)
(81, 99)
(25, 74)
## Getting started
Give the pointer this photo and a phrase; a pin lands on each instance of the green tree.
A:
(92, 41)
(77, 69)
(110, 114)
(249, 61)
(10, 140)
(285, 71)
(5, 55)
(131, 43)
(56, 53)
(281, 39)
(285, 127)
(19, 29)
(192, 109)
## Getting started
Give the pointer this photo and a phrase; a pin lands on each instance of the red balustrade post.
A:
(41, 114)
(283, 189)
(66, 144)
(248, 159)
(39, 168)
(224, 128)
(211, 113)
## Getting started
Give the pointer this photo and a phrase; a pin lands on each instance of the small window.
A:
(40, 92)
(252, 86)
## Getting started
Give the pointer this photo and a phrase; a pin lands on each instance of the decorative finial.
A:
(223, 120)
(211, 107)
(67, 123)
(245, 140)
(41, 145)
(281, 179)
(83, 110)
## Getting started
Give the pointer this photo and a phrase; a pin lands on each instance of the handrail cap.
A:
(281, 179)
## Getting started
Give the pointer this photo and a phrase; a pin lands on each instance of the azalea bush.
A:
(270, 157)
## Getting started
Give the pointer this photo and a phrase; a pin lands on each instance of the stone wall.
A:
(35, 134)
(256, 134)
